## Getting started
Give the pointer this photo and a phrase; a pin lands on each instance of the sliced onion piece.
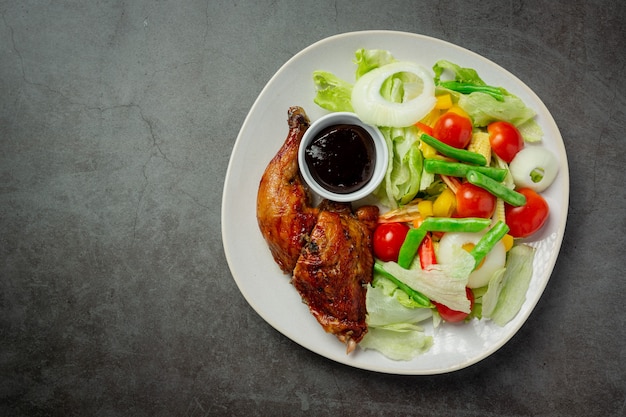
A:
(495, 259)
(534, 167)
(374, 109)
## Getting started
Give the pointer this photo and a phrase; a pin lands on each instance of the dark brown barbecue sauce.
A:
(341, 158)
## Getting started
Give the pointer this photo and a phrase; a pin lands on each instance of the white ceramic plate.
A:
(264, 130)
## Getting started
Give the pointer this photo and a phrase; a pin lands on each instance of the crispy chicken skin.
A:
(284, 214)
(334, 268)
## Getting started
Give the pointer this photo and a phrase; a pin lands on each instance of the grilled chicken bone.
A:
(327, 249)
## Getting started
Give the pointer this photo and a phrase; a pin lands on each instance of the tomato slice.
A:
(453, 129)
(525, 220)
(387, 240)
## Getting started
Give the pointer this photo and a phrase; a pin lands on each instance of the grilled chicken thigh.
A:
(328, 249)
(335, 266)
(284, 214)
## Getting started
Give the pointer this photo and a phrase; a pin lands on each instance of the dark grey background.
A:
(117, 120)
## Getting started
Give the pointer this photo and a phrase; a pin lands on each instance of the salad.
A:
(462, 189)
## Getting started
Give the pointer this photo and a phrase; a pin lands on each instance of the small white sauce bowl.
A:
(380, 150)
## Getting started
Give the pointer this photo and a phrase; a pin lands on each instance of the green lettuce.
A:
(401, 342)
(406, 163)
(443, 283)
(369, 59)
(333, 93)
(484, 109)
(392, 319)
(387, 304)
(506, 293)
(462, 75)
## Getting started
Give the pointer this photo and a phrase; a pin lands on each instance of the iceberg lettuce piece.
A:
(404, 171)
(392, 322)
(462, 75)
(333, 93)
(397, 342)
(531, 131)
(515, 283)
(444, 284)
(494, 288)
(386, 304)
(369, 59)
(484, 109)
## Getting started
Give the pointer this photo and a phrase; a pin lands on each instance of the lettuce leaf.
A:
(400, 342)
(462, 75)
(404, 172)
(333, 93)
(444, 284)
(513, 285)
(368, 59)
(387, 304)
(392, 319)
(484, 109)
(494, 288)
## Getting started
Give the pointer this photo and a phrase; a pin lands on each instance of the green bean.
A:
(414, 237)
(416, 296)
(509, 196)
(459, 169)
(458, 154)
(488, 241)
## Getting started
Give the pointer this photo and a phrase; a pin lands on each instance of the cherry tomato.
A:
(453, 129)
(527, 219)
(454, 316)
(506, 141)
(473, 201)
(387, 240)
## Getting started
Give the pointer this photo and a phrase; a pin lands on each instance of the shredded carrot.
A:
(452, 183)
(407, 213)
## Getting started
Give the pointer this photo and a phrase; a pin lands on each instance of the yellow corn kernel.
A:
(425, 208)
(444, 102)
(445, 204)
(507, 241)
(456, 109)
(480, 144)
(427, 150)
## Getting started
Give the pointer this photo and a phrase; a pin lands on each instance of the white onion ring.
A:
(532, 158)
(373, 109)
(495, 259)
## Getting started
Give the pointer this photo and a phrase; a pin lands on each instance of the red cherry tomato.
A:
(506, 141)
(454, 316)
(473, 201)
(387, 240)
(453, 129)
(525, 220)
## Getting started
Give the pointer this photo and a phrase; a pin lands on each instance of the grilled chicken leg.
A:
(328, 249)
(334, 268)
(284, 214)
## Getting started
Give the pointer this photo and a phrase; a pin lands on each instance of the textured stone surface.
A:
(117, 120)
